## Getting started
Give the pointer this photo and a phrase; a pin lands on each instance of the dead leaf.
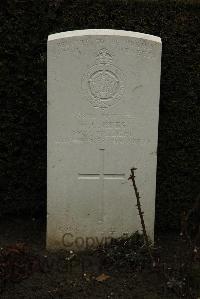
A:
(102, 277)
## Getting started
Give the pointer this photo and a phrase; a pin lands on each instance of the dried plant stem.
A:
(146, 240)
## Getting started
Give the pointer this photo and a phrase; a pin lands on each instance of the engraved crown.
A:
(104, 57)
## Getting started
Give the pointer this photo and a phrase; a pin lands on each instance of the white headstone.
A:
(103, 109)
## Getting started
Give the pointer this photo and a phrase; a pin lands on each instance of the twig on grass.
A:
(141, 213)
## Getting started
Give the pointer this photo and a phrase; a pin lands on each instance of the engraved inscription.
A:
(136, 47)
(103, 83)
(109, 128)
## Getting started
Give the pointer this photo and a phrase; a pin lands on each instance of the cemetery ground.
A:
(122, 270)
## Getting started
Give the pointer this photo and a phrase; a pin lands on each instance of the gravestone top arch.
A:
(100, 32)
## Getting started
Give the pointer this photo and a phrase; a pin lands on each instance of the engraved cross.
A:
(102, 176)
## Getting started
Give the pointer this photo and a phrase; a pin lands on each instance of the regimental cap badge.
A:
(103, 83)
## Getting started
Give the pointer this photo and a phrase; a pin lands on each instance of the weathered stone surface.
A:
(103, 109)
